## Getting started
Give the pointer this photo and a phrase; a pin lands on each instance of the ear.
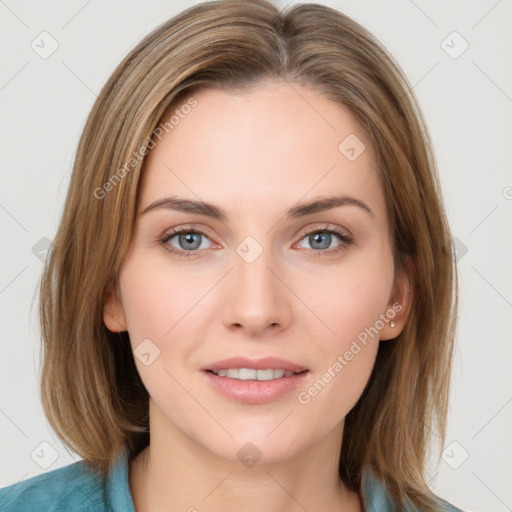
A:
(399, 305)
(113, 313)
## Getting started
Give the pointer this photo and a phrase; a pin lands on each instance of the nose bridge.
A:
(257, 297)
(254, 276)
(256, 283)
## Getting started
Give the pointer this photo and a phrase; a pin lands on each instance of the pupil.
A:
(326, 240)
(189, 239)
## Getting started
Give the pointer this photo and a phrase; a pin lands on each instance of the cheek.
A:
(158, 307)
(157, 301)
(351, 300)
(347, 357)
(164, 316)
(351, 306)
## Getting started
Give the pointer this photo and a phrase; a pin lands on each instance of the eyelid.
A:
(301, 233)
(186, 228)
(172, 232)
(344, 235)
(324, 227)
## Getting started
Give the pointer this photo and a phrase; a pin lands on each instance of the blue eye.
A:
(191, 242)
(320, 240)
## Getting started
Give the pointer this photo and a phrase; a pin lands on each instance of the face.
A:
(310, 291)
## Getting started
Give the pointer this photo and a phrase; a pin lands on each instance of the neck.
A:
(174, 473)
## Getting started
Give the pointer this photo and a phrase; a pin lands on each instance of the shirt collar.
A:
(118, 487)
(374, 493)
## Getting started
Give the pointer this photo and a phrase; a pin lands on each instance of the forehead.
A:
(276, 143)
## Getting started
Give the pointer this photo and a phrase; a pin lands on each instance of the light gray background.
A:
(467, 102)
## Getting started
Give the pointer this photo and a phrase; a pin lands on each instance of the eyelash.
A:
(344, 238)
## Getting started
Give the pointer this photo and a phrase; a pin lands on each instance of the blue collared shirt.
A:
(75, 488)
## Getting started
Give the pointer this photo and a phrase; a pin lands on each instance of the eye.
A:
(321, 240)
(188, 241)
(185, 241)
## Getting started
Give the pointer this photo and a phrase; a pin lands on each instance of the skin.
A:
(254, 154)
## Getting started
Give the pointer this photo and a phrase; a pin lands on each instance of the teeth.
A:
(266, 374)
(251, 374)
(243, 374)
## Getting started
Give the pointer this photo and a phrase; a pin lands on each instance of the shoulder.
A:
(448, 507)
(73, 487)
(376, 497)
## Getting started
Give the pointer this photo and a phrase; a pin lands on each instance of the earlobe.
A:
(113, 313)
(399, 306)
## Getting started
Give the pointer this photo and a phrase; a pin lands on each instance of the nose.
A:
(256, 299)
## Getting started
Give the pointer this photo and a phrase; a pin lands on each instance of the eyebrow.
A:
(298, 211)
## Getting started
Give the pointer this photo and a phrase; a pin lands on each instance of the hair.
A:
(91, 392)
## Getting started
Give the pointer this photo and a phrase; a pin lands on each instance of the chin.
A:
(260, 444)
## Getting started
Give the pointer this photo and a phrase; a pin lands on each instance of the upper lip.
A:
(263, 363)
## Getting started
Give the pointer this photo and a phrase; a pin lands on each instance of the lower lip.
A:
(255, 391)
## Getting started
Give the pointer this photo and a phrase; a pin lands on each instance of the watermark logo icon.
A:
(44, 45)
(460, 248)
(44, 455)
(146, 352)
(41, 248)
(249, 249)
(351, 147)
(454, 45)
(455, 455)
(249, 455)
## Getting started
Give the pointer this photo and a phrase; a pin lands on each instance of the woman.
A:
(250, 299)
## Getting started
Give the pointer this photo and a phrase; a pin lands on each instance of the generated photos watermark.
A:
(137, 156)
(341, 361)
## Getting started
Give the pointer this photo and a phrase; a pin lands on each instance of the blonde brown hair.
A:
(91, 391)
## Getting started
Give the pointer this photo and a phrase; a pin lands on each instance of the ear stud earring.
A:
(392, 324)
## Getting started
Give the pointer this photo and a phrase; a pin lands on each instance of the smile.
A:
(252, 374)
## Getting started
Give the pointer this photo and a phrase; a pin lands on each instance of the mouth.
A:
(254, 381)
(252, 374)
